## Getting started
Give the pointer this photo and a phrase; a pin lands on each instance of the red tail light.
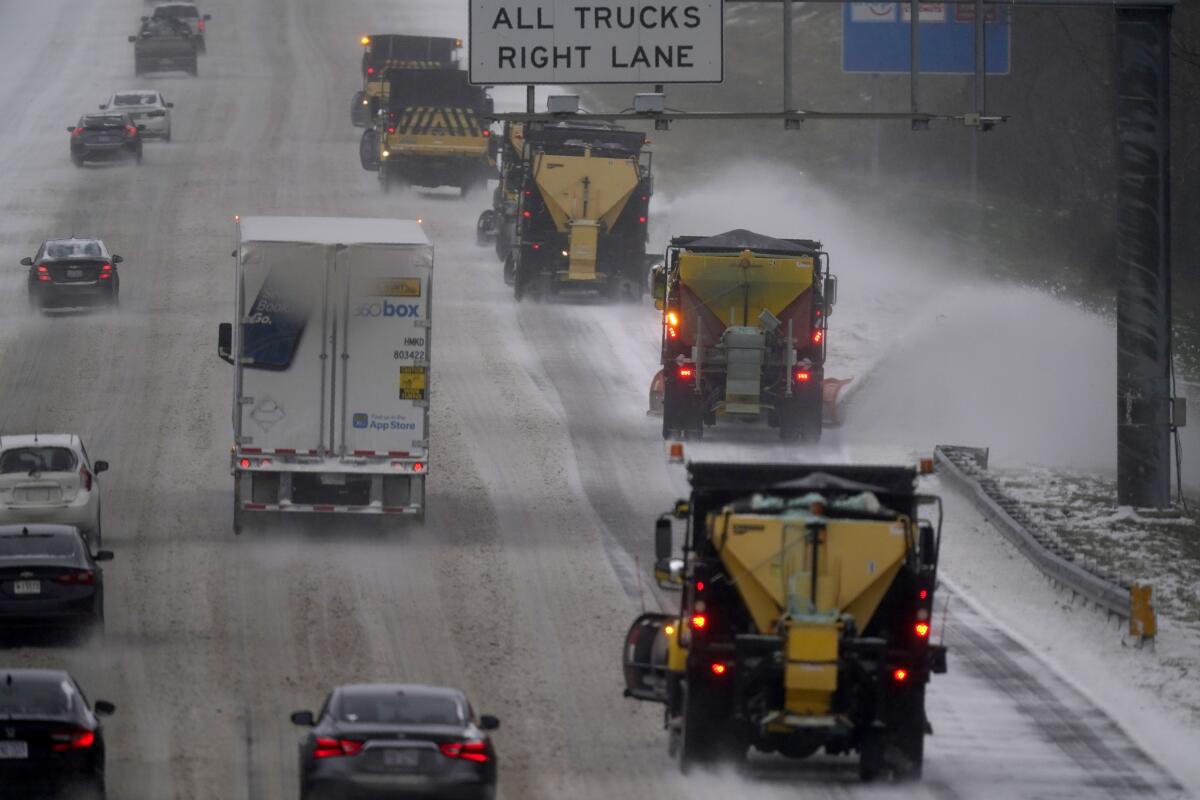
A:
(536, 246)
(468, 751)
(391, 130)
(85, 478)
(83, 577)
(719, 669)
(370, 70)
(334, 748)
(686, 373)
(486, 133)
(528, 193)
(200, 25)
(77, 133)
(418, 467)
(803, 376)
(130, 131)
(922, 629)
(900, 675)
(43, 273)
(699, 622)
(642, 220)
(818, 336)
(65, 741)
(526, 214)
(923, 594)
(106, 273)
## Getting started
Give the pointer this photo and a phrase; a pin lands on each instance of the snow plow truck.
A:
(382, 52)
(744, 323)
(582, 211)
(805, 621)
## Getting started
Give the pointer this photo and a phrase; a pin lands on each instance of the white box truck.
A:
(331, 360)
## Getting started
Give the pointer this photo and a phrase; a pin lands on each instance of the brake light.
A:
(71, 740)
(922, 629)
(686, 373)
(334, 748)
(699, 586)
(719, 669)
(468, 751)
(84, 577)
(923, 594)
(642, 220)
(536, 246)
(699, 622)
(85, 478)
(803, 376)
(43, 273)
(105, 274)
(391, 130)
(370, 70)
(200, 25)
(818, 336)
(528, 193)
(900, 675)
(418, 467)
(77, 133)
(130, 131)
(486, 133)
(526, 214)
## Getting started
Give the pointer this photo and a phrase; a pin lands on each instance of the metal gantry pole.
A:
(787, 55)
(914, 54)
(1143, 256)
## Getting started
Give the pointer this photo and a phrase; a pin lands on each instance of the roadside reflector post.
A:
(1142, 622)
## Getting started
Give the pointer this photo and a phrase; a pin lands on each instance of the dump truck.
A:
(164, 44)
(583, 209)
(331, 366)
(433, 132)
(744, 324)
(382, 52)
(806, 616)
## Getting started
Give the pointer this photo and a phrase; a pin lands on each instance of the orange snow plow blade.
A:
(831, 390)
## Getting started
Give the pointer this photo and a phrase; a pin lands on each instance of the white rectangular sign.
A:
(596, 41)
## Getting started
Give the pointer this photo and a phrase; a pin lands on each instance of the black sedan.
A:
(390, 740)
(105, 137)
(73, 272)
(50, 738)
(49, 578)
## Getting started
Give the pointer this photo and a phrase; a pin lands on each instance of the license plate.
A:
(13, 750)
(74, 273)
(27, 587)
(402, 759)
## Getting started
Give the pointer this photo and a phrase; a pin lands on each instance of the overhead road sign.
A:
(602, 41)
(876, 37)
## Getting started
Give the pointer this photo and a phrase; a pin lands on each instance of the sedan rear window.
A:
(35, 697)
(135, 100)
(102, 123)
(37, 459)
(74, 249)
(397, 708)
(35, 545)
(176, 11)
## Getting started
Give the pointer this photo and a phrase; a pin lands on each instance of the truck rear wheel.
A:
(485, 228)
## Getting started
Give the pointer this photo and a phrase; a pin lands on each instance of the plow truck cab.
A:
(583, 212)
(805, 621)
(744, 324)
(382, 52)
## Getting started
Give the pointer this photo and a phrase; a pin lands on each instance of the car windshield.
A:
(395, 707)
(35, 697)
(38, 545)
(37, 459)
(74, 249)
(135, 100)
(176, 12)
(103, 123)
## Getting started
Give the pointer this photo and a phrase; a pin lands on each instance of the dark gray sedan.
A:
(392, 740)
(49, 578)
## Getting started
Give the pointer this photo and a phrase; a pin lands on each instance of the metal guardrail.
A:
(967, 467)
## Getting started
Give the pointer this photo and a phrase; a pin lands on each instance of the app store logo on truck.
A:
(360, 420)
(388, 309)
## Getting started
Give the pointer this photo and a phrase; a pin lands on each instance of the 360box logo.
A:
(387, 309)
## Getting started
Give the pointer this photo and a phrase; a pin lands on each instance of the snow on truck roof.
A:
(332, 230)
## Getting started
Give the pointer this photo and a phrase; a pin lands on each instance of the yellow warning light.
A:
(676, 453)
(458, 42)
(366, 40)
(926, 466)
(237, 217)
(669, 630)
(420, 221)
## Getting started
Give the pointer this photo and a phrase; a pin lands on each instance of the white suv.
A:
(147, 107)
(49, 478)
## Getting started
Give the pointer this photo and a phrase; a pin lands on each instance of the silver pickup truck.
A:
(164, 45)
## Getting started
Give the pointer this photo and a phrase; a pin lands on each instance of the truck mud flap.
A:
(644, 658)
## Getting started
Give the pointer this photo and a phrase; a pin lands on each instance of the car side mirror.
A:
(304, 718)
(668, 573)
(26, 262)
(103, 555)
(70, 129)
(141, 127)
(133, 38)
(662, 538)
(489, 723)
(207, 17)
(145, 19)
(225, 342)
(117, 260)
(659, 274)
(682, 509)
(103, 708)
(170, 105)
(100, 466)
(103, 106)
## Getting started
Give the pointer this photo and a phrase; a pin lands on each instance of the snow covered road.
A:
(547, 474)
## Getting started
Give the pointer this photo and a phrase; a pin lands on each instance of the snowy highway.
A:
(547, 472)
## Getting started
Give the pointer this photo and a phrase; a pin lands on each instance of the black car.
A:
(50, 738)
(49, 578)
(391, 740)
(73, 272)
(105, 137)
